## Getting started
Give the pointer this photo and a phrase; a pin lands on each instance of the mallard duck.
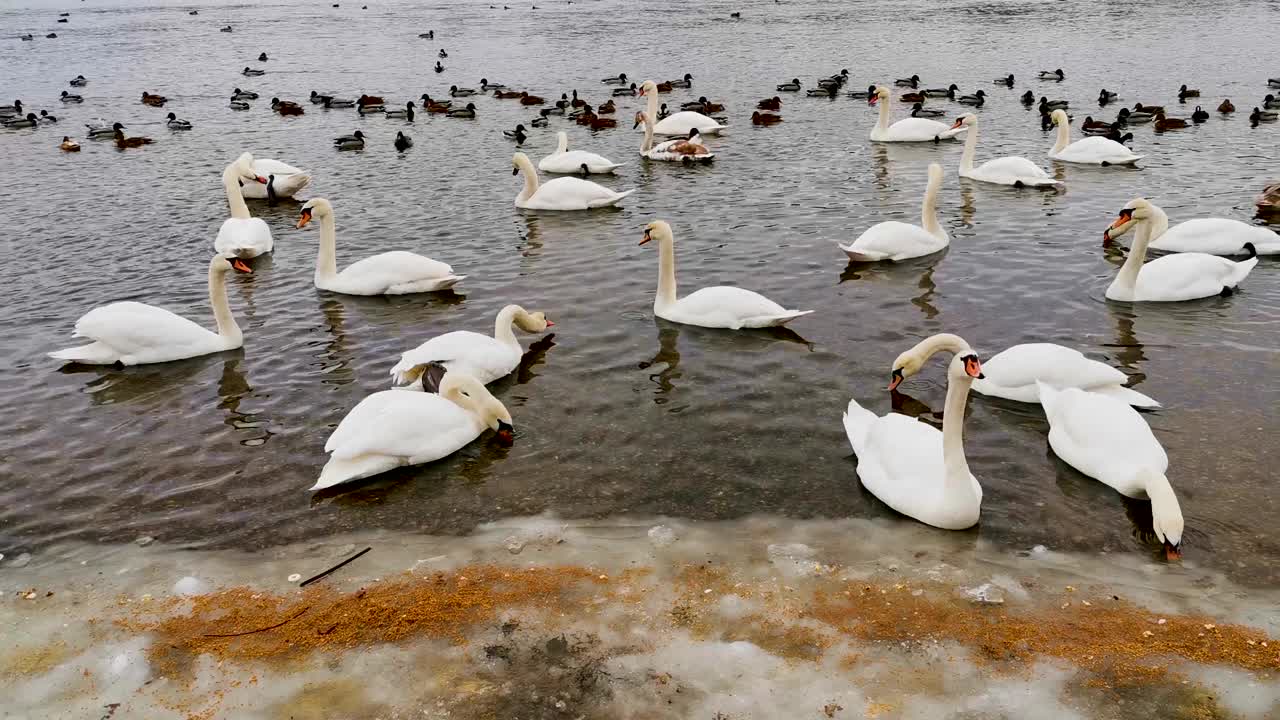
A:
(912, 97)
(69, 145)
(1028, 98)
(1226, 107)
(70, 98)
(759, 118)
(1050, 105)
(920, 111)
(944, 92)
(773, 103)
(540, 121)
(238, 94)
(29, 121)
(607, 108)
(438, 68)
(403, 142)
(225, 29)
(823, 91)
(153, 100)
(793, 86)
(123, 142)
(684, 82)
(101, 132)
(433, 106)
(976, 99)
(1052, 75)
(1007, 80)
(912, 82)
(664, 87)
(46, 118)
(262, 57)
(518, 134)
(563, 102)
(1184, 93)
(354, 141)
(1153, 109)
(544, 112)
(577, 102)
(371, 100)
(619, 79)
(1270, 102)
(1200, 115)
(364, 108)
(1260, 116)
(455, 91)
(1268, 202)
(238, 104)
(486, 86)
(862, 94)
(79, 81)
(176, 124)
(428, 35)
(11, 110)
(442, 53)
(285, 107)
(1105, 96)
(527, 99)
(1128, 116)
(467, 113)
(663, 112)
(1167, 123)
(620, 92)
(251, 72)
(405, 114)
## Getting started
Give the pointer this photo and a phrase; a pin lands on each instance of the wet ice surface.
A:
(735, 619)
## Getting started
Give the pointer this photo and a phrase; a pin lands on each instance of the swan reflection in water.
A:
(871, 271)
(668, 353)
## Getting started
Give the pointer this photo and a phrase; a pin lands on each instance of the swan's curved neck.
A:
(1064, 137)
(502, 331)
(457, 395)
(942, 342)
(530, 180)
(666, 275)
(970, 147)
(562, 142)
(883, 122)
(227, 326)
(647, 144)
(235, 199)
(1166, 513)
(327, 258)
(652, 108)
(1128, 276)
(929, 208)
(956, 466)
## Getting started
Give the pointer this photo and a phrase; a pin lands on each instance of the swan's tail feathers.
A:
(1166, 513)
(1126, 395)
(764, 321)
(609, 201)
(857, 423)
(614, 167)
(862, 255)
(338, 471)
(290, 184)
(1266, 248)
(1242, 270)
(95, 353)
(435, 284)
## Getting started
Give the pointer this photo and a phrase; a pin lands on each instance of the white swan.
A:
(1087, 151)
(389, 273)
(283, 180)
(1107, 440)
(678, 123)
(132, 333)
(1010, 170)
(572, 162)
(893, 240)
(913, 468)
(714, 307)
(1215, 236)
(483, 357)
(685, 150)
(1172, 278)
(566, 193)
(391, 429)
(1013, 373)
(242, 235)
(907, 129)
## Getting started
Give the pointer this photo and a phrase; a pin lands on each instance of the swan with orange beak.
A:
(242, 235)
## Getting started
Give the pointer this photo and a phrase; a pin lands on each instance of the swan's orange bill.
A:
(261, 179)
(873, 99)
(1118, 222)
(302, 221)
(973, 366)
(506, 437)
(896, 381)
(550, 324)
(646, 237)
(1172, 552)
(957, 123)
(239, 265)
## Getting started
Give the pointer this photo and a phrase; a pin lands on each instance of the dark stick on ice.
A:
(270, 627)
(314, 578)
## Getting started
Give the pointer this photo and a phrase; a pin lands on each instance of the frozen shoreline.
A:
(633, 618)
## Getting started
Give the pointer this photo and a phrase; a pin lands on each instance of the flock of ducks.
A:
(438, 402)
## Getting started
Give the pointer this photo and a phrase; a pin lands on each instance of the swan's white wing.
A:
(920, 129)
(243, 238)
(1188, 276)
(267, 166)
(901, 463)
(1097, 150)
(1102, 437)
(1012, 170)
(682, 122)
(375, 275)
(1016, 370)
(402, 424)
(481, 356)
(724, 307)
(573, 160)
(570, 193)
(893, 240)
(133, 328)
(1217, 236)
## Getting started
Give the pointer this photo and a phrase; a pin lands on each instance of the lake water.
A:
(619, 413)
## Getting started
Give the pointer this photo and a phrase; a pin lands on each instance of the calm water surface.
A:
(618, 412)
